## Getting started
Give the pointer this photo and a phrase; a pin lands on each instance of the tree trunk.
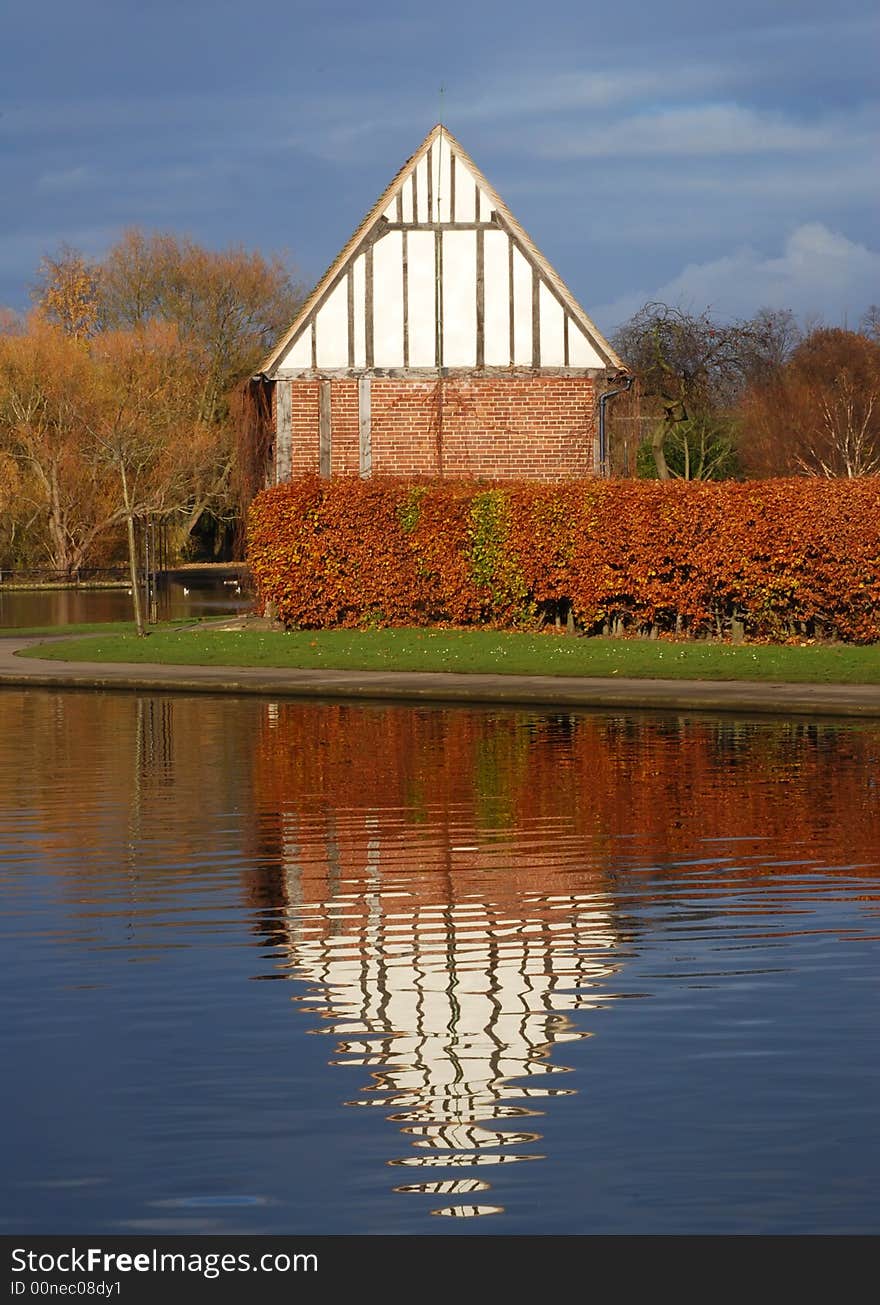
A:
(657, 436)
(60, 555)
(132, 557)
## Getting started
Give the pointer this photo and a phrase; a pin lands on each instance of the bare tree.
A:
(870, 323)
(691, 369)
(847, 428)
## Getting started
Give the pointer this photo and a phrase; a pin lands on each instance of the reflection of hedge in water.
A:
(572, 790)
(784, 558)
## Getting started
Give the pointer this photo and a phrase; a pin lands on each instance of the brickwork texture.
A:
(495, 427)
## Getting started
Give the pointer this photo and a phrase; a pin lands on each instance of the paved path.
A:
(423, 686)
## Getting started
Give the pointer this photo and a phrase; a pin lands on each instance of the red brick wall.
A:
(523, 427)
(345, 455)
(304, 427)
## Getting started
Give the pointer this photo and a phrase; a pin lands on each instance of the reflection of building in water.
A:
(454, 998)
(443, 880)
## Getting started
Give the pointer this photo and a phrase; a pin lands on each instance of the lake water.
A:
(197, 595)
(278, 967)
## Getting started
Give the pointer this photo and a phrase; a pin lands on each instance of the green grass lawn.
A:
(477, 652)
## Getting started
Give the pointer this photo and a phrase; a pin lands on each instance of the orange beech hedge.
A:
(772, 559)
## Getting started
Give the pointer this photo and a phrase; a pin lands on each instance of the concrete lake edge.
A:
(537, 691)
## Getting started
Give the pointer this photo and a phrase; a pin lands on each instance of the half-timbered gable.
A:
(440, 341)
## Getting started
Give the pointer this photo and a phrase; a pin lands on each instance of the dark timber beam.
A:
(368, 304)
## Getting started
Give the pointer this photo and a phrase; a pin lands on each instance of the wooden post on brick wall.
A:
(282, 431)
(324, 430)
(365, 433)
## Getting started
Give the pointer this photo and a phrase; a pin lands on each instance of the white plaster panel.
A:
(422, 187)
(422, 316)
(402, 1008)
(485, 213)
(580, 352)
(331, 330)
(496, 299)
(443, 180)
(552, 327)
(300, 352)
(359, 277)
(522, 310)
(459, 298)
(388, 300)
(465, 193)
(391, 211)
(406, 195)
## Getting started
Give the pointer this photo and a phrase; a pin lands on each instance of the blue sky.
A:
(712, 156)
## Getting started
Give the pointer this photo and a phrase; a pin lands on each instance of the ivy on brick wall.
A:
(771, 559)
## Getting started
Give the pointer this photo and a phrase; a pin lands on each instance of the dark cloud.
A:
(632, 142)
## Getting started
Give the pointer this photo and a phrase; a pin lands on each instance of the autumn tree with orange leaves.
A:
(96, 434)
(66, 292)
(819, 413)
(232, 304)
(145, 431)
(223, 307)
(47, 402)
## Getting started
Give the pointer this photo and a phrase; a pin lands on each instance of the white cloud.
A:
(819, 273)
(695, 130)
(65, 179)
(558, 92)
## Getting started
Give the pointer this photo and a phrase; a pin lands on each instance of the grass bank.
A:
(476, 652)
(85, 627)
(96, 627)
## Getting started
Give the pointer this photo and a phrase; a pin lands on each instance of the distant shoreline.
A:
(43, 586)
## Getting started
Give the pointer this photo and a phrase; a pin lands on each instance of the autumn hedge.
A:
(774, 559)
